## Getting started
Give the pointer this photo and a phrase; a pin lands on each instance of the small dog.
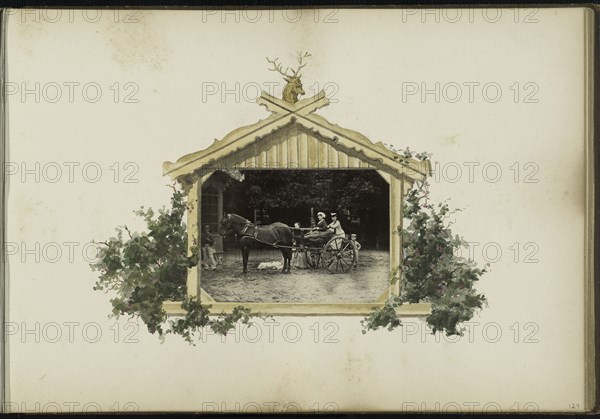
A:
(270, 265)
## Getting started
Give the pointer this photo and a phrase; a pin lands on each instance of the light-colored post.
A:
(219, 239)
(396, 200)
(193, 221)
(406, 186)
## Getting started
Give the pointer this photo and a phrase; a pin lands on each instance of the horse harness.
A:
(254, 235)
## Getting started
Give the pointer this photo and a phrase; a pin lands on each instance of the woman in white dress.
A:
(336, 226)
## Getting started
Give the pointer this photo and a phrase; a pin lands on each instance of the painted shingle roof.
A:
(300, 114)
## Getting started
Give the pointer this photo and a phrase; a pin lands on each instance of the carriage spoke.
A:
(349, 254)
(312, 258)
(349, 263)
(341, 251)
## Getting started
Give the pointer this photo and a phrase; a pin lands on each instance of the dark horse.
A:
(277, 235)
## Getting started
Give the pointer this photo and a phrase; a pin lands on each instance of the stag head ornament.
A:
(293, 88)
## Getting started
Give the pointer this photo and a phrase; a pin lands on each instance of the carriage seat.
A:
(318, 237)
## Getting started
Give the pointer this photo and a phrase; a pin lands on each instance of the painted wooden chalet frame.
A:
(294, 137)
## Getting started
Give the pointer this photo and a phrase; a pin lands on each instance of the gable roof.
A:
(300, 114)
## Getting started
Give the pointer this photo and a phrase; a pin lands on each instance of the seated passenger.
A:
(322, 233)
(335, 226)
(321, 224)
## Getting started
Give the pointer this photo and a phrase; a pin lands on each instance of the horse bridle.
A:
(229, 228)
(244, 229)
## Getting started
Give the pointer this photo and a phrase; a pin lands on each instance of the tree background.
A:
(360, 198)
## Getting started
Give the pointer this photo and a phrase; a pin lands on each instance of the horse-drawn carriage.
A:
(322, 248)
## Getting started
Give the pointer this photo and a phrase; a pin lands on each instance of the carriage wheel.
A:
(313, 258)
(338, 255)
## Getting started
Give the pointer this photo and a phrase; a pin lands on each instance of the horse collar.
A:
(248, 224)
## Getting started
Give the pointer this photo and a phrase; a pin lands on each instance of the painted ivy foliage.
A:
(432, 270)
(142, 270)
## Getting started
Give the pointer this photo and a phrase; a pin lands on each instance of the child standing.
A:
(207, 242)
(356, 248)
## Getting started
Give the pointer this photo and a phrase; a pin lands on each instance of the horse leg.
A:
(245, 254)
(287, 258)
(284, 260)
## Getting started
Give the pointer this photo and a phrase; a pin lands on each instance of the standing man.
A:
(207, 242)
(336, 226)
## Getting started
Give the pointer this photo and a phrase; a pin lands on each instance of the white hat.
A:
(321, 213)
(334, 214)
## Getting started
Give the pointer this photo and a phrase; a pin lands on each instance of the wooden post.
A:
(193, 223)
(219, 239)
(396, 199)
(405, 187)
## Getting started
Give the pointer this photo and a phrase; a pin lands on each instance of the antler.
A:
(300, 57)
(277, 67)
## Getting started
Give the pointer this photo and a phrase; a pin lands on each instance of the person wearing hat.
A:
(321, 224)
(357, 247)
(336, 226)
(319, 231)
(207, 242)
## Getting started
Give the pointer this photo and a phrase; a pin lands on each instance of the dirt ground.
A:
(228, 283)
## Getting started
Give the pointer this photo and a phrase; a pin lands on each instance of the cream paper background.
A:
(365, 56)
